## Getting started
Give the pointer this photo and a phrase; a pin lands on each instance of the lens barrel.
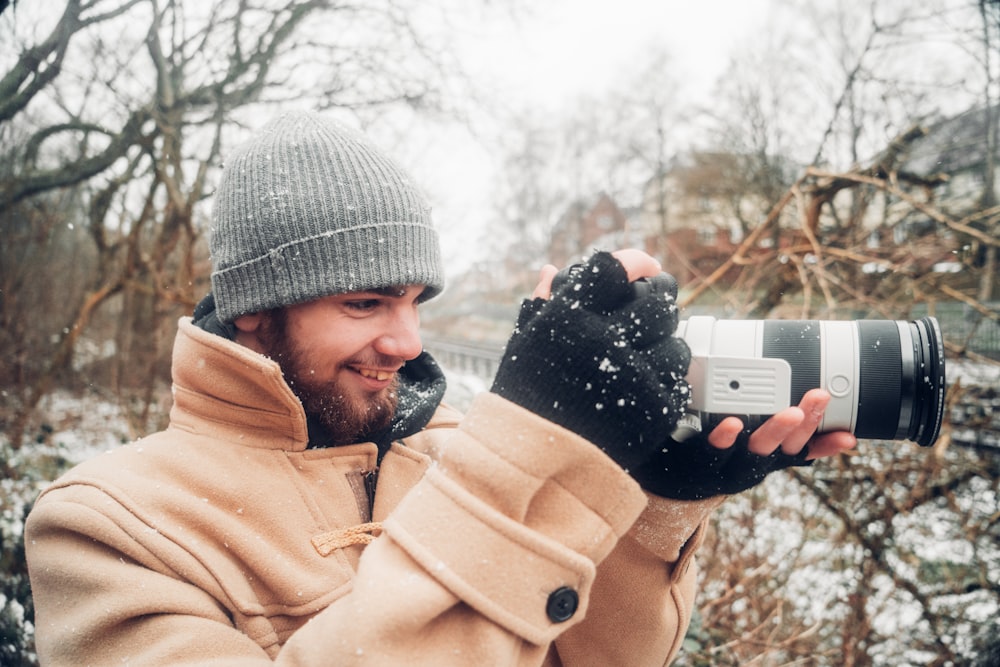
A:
(890, 373)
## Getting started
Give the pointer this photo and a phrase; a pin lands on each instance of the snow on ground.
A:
(970, 373)
(68, 428)
(82, 428)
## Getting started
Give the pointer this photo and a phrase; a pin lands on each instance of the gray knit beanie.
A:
(307, 209)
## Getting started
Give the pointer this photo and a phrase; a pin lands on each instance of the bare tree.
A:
(826, 573)
(989, 13)
(892, 532)
(127, 107)
(649, 119)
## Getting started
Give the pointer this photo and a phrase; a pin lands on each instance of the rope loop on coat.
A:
(326, 543)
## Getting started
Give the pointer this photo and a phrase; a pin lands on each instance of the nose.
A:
(401, 337)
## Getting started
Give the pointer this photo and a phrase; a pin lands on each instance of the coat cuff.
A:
(667, 525)
(515, 518)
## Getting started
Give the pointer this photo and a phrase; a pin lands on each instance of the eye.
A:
(362, 305)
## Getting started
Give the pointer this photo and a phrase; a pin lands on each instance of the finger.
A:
(664, 283)
(669, 358)
(771, 433)
(831, 444)
(601, 285)
(724, 435)
(543, 290)
(813, 404)
(646, 321)
(637, 263)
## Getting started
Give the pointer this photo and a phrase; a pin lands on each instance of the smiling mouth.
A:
(375, 374)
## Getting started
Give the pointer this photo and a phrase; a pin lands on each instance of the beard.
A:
(347, 417)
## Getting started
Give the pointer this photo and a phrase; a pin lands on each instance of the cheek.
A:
(328, 339)
(335, 347)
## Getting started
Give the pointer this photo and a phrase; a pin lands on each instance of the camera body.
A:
(886, 378)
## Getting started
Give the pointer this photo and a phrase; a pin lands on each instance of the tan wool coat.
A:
(496, 538)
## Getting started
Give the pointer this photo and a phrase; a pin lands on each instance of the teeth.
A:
(378, 375)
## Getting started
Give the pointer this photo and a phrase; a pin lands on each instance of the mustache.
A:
(375, 360)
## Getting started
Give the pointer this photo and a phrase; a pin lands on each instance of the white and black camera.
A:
(886, 377)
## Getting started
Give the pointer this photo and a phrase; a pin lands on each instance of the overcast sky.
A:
(565, 48)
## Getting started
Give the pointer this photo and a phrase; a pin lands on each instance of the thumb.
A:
(543, 290)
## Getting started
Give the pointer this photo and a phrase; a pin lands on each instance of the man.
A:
(313, 503)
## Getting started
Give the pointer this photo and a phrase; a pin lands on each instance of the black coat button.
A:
(562, 604)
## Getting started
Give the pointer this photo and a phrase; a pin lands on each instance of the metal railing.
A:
(462, 356)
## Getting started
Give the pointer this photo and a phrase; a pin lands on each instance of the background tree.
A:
(887, 556)
(989, 14)
(121, 110)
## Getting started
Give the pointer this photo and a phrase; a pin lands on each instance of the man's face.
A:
(341, 354)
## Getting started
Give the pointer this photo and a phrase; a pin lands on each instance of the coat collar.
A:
(239, 390)
(229, 391)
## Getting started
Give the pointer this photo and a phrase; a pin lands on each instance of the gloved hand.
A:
(600, 359)
(694, 469)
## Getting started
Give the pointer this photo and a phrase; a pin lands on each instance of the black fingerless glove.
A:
(601, 360)
(694, 469)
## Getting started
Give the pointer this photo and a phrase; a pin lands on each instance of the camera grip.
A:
(600, 362)
(664, 283)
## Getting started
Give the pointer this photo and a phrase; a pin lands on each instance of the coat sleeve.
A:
(102, 598)
(644, 592)
(520, 547)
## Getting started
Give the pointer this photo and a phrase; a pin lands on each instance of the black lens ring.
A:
(800, 343)
(909, 380)
(878, 395)
(933, 384)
